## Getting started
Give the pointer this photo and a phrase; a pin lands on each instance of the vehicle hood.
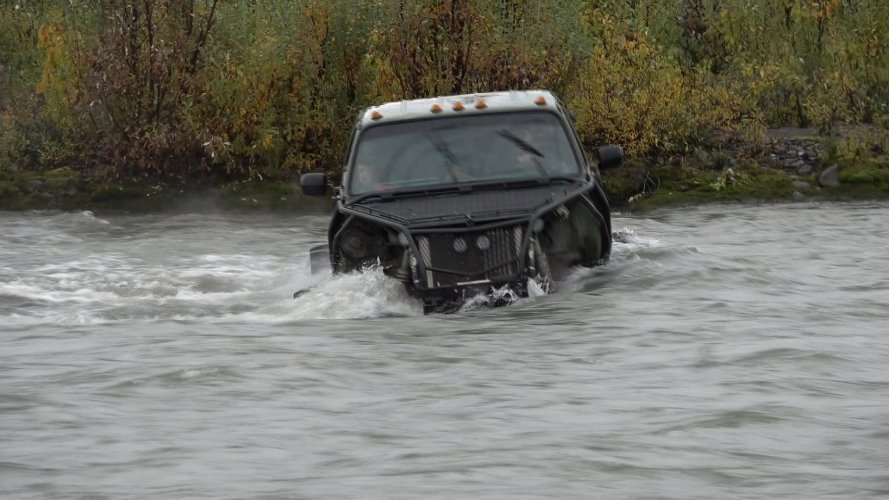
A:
(475, 207)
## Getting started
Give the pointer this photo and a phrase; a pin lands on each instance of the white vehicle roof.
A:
(466, 104)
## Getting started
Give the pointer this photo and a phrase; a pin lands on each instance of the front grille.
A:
(470, 260)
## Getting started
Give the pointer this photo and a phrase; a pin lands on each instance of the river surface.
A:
(724, 352)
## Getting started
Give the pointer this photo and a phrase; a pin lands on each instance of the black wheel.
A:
(544, 276)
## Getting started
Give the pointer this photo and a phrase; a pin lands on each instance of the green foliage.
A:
(30, 134)
(635, 91)
(862, 143)
(182, 89)
(861, 178)
(428, 48)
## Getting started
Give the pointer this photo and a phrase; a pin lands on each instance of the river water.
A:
(724, 352)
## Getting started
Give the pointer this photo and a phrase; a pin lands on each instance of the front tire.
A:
(543, 275)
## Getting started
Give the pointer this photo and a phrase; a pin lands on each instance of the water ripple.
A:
(728, 351)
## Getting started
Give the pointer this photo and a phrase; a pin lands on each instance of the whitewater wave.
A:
(364, 294)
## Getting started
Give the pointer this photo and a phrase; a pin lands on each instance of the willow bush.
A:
(187, 89)
(458, 46)
(28, 134)
(633, 92)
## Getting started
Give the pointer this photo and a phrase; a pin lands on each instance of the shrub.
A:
(181, 89)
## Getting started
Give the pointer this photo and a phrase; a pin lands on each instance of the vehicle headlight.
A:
(354, 245)
(460, 245)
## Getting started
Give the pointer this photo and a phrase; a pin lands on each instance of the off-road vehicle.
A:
(461, 195)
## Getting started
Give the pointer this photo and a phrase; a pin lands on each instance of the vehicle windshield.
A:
(461, 149)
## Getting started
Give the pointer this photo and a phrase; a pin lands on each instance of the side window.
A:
(350, 151)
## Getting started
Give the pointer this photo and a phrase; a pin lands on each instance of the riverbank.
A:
(790, 165)
(67, 189)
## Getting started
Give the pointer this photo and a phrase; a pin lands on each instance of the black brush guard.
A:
(448, 266)
(442, 275)
(460, 259)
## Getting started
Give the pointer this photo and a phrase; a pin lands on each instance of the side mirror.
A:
(610, 156)
(314, 184)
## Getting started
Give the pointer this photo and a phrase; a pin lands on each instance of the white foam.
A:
(91, 216)
(366, 294)
(627, 239)
(535, 289)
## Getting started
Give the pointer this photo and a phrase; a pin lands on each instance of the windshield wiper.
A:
(524, 146)
(521, 143)
(409, 191)
(442, 147)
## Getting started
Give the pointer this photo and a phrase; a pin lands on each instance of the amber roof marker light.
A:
(540, 101)
(481, 104)
(375, 115)
(436, 108)
(458, 106)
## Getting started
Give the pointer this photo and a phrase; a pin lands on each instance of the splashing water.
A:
(89, 270)
(364, 294)
(371, 294)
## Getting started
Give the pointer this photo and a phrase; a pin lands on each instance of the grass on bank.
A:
(644, 186)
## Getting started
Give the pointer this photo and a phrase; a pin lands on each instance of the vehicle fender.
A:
(336, 222)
